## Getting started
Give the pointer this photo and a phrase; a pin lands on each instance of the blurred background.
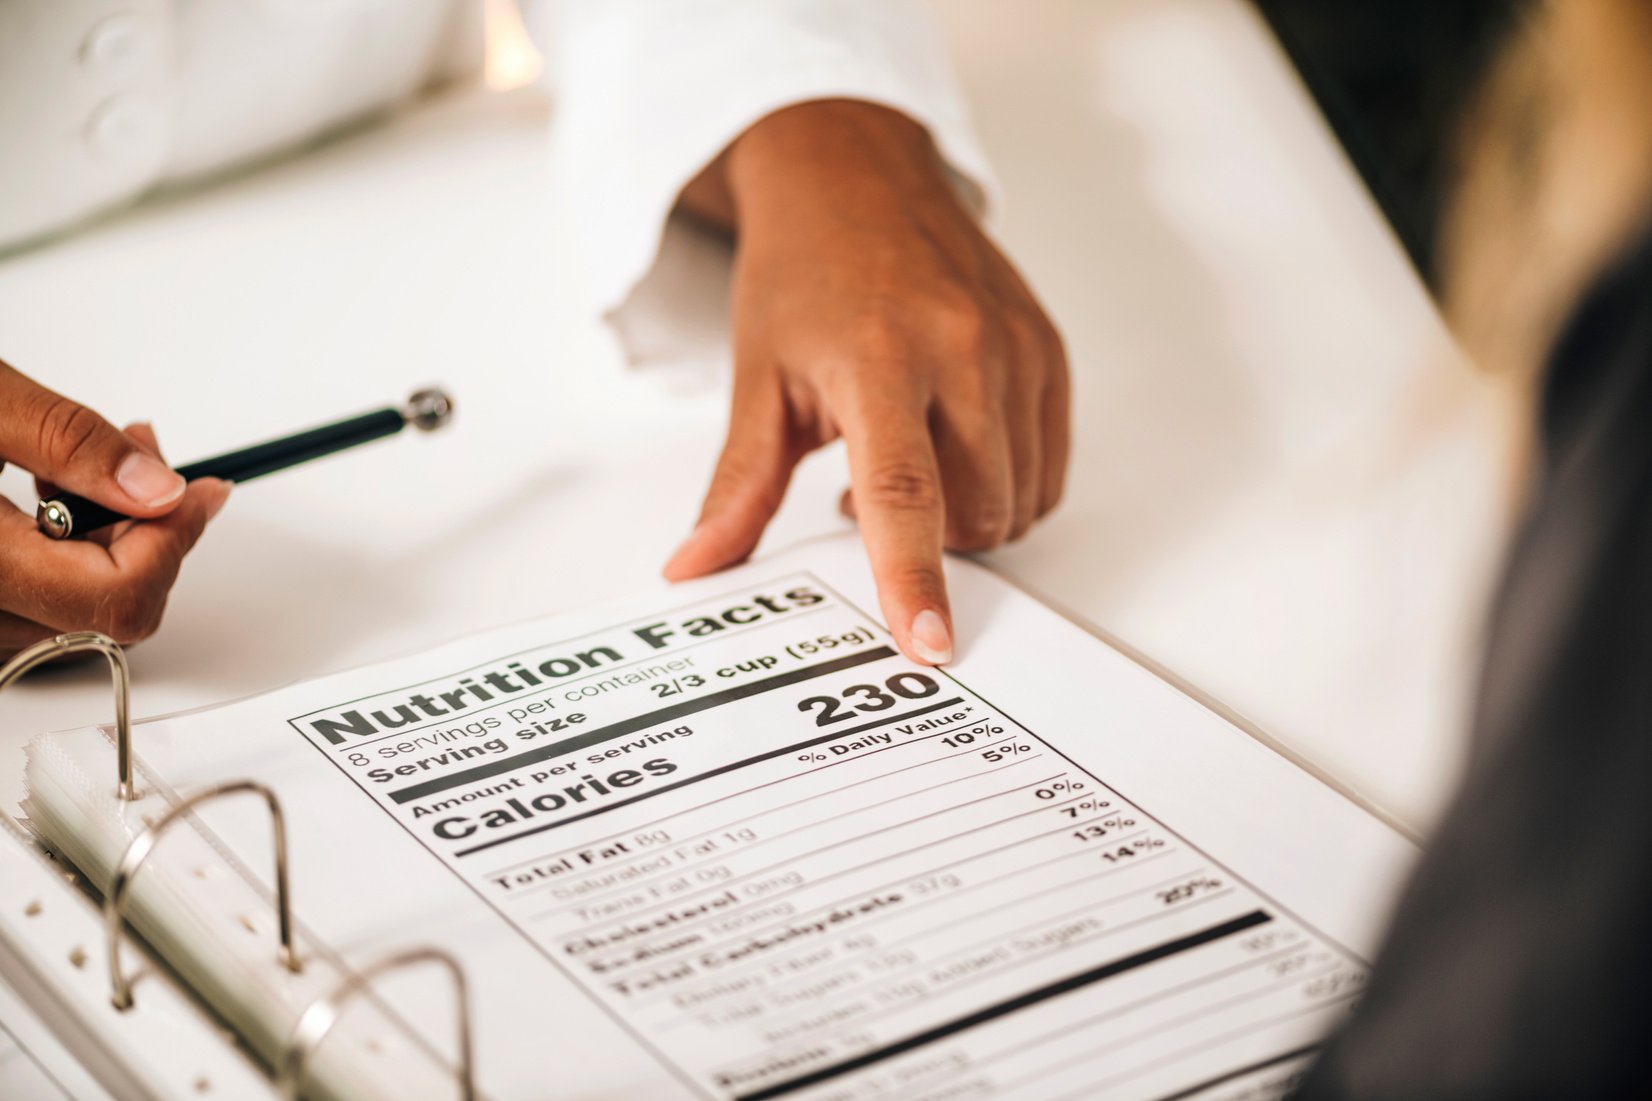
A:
(1289, 486)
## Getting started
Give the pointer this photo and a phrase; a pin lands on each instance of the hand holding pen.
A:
(67, 515)
(113, 579)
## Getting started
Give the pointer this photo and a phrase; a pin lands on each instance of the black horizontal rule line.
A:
(732, 766)
(1044, 921)
(1063, 1034)
(1204, 1011)
(634, 724)
(1012, 1005)
(745, 819)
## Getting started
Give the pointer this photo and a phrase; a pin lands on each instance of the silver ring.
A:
(138, 850)
(76, 642)
(321, 1015)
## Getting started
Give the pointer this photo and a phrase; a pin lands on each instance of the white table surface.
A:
(1286, 488)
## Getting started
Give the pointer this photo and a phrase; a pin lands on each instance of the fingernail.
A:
(149, 481)
(676, 556)
(217, 506)
(931, 641)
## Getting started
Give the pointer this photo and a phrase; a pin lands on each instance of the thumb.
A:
(140, 433)
(155, 551)
(68, 445)
(746, 488)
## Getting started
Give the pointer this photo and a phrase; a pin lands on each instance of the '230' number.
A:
(869, 697)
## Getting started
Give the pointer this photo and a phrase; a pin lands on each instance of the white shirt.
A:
(101, 103)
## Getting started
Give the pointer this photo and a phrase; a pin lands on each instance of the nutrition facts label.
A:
(795, 864)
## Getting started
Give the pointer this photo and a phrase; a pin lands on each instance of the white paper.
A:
(34, 1065)
(60, 1035)
(725, 842)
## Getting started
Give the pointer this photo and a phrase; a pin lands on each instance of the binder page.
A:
(60, 1036)
(725, 842)
(34, 1064)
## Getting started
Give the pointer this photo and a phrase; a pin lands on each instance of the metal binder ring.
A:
(321, 1015)
(76, 642)
(138, 850)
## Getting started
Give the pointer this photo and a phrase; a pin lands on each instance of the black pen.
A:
(68, 515)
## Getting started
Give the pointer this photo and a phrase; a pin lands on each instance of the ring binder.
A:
(144, 843)
(163, 1049)
(77, 642)
(321, 1015)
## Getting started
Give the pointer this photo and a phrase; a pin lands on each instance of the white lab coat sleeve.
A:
(648, 92)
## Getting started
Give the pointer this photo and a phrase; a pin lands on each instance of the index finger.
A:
(902, 513)
(69, 445)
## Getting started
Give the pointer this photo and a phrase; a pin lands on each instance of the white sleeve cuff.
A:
(650, 91)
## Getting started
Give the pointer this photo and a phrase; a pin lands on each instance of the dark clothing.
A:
(1392, 77)
(1519, 962)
